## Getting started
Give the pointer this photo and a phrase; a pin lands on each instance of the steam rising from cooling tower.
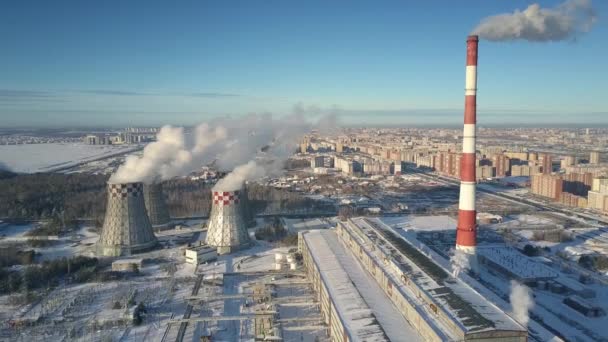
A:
(227, 142)
(156, 206)
(564, 22)
(126, 227)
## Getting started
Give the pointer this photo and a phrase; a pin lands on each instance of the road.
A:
(184, 325)
(539, 206)
(113, 155)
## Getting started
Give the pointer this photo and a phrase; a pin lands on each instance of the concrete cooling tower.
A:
(248, 213)
(227, 227)
(158, 213)
(126, 227)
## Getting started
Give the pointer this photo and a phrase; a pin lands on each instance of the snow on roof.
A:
(435, 222)
(355, 314)
(300, 224)
(523, 267)
(469, 308)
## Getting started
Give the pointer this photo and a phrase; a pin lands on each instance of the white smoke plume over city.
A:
(277, 147)
(521, 302)
(257, 143)
(566, 21)
(460, 262)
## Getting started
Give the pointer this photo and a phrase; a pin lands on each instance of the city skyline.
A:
(112, 64)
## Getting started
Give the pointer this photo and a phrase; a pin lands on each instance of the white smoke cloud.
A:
(229, 142)
(167, 152)
(564, 22)
(265, 160)
(460, 262)
(235, 179)
(522, 302)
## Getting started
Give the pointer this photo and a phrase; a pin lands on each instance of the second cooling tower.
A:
(227, 228)
(126, 227)
(156, 206)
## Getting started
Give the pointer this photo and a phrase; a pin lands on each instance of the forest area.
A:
(66, 198)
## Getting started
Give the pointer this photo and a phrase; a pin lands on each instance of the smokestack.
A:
(156, 205)
(227, 228)
(466, 234)
(126, 227)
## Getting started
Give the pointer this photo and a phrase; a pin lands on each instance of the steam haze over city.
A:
(391, 63)
(317, 171)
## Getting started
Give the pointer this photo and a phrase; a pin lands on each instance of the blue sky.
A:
(75, 63)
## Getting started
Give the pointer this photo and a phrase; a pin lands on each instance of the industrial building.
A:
(436, 305)
(513, 265)
(227, 225)
(126, 227)
(347, 315)
(200, 254)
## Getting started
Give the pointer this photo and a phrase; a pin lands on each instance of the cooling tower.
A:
(466, 234)
(227, 227)
(156, 206)
(248, 213)
(126, 227)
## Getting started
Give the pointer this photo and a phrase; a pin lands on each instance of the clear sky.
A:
(75, 63)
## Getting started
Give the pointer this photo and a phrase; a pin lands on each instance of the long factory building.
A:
(438, 306)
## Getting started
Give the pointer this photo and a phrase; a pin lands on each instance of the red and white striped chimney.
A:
(466, 233)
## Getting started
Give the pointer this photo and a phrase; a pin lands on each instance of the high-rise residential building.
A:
(484, 172)
(501, 165)
(547, 185)
(567, 161)
(304, 145)
(517, 155)
(533, 156)
(594, 157)
(547, 163)
(578, 183)
(339, 147)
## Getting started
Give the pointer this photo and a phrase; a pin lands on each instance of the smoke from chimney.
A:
(564, 22)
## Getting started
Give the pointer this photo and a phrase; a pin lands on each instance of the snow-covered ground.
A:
(31, 158)
(436, 222)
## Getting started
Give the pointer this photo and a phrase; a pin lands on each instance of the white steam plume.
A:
(460, 262)
(269, 162)
(228, 142)
(170, 155)
(521, 302)
(564, 22)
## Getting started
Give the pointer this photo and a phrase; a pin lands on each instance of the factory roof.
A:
(521, 266)
(353, 311)
(467, 307)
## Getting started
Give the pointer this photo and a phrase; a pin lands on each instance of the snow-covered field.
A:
(30, 158)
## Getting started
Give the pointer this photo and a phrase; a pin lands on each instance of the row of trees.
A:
(52, 195)
(48, 274)
(62, 199)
